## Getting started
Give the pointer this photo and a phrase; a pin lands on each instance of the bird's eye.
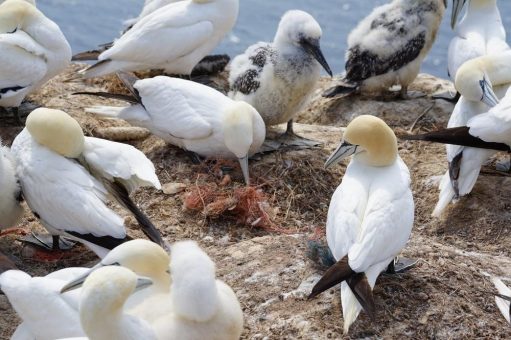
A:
(13, 31)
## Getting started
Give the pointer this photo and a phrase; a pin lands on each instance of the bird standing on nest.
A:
(277, 78)
(370, 217)
(67, 179)
(174, 38)
(34, 50)
(191, 116)
(388, 46)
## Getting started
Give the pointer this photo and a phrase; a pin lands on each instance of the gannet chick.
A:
(174, 38)
(388, 46)
(277, 78)
(479, 33)
(34, 50)
(370, 217)
(11, 196)
(102, 301)
(66, 179)
(503, 298)
(203, 307)
(191, 116)
(146, 259)
(38, 302)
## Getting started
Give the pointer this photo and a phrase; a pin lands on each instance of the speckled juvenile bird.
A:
(388, 46)
(278, 77)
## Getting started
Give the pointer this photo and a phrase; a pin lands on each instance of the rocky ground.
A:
(258, 237)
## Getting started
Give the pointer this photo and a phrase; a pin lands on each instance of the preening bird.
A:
(102, 303)
(277, 78)
(191, 116)
(479, 33)
(388, 46)
(370, 217)
(67, 179)
(203, 307)
(34, 50)
(174, 38)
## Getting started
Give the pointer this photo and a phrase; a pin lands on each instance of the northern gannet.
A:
(479, 33)
(174, 38)
(34, 50)
(203, 307)
(67, 178)
(38, 302)
(277, 78)
(388, 46)
(102, 303)
(10, 196)
(191, 116)
(370, 217)
(149, 7)
(503, 298)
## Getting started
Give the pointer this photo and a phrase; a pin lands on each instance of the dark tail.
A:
(340, 90)
(148, 228)
(457, 136)
(129, 80)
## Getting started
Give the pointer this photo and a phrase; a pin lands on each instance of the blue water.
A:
(87, 23)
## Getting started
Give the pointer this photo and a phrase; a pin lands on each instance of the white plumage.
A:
(69, 197)
(10, 196)
(194, 117)
(389, 45)
(277, 78)
(34, 50)
(371, 213)
(479, 33)
(203, 307)
(502, 304)
(174, 38)
(149, 7)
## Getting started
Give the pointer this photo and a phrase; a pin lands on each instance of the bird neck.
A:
(478, 5)
(499, 69)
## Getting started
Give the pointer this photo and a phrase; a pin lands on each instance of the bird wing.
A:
(181, 108)
(503, 305)
(120, 161)
(387, 220)
(21, 62)
(495, 125)
(462, 50)
(385, 43)
(246, 68)
(62, 192)
(162, 36)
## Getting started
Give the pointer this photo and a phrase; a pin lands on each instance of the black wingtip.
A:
(109, 95)
(87, 55)
(129, 80)
(363, 292)
(337, 273)
(339, 90)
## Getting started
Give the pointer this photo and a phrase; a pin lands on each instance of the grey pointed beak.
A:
(315, 50)
(142, 283)
(244, 168)
(457, 7)
(343, 151)
(78, 282)
(489, 97)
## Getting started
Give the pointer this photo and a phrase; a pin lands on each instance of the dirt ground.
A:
(258, 238)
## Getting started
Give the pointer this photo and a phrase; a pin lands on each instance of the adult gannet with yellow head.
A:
(67, 179)
(203, 307)
(191, 116)
(174, 38)
(479, 33)
(388, 46)
(34, 50)
(370, 217)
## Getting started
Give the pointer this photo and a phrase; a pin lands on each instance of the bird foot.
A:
(504, 165)
(447, 96)
(410, 95)
(48, 242)
(400, 265)
(320, 253)
(288, 141)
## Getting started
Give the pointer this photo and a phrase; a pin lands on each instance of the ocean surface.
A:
(87, 23)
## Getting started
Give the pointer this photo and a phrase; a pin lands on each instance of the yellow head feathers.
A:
(56, 130)
(376, 139)
(15, 14)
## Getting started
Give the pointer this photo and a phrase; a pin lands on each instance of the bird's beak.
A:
(143, 282)
(78, 282)
(489, 97)
(314, 49)
(244, 168)
(343, 151)
(457, 6)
